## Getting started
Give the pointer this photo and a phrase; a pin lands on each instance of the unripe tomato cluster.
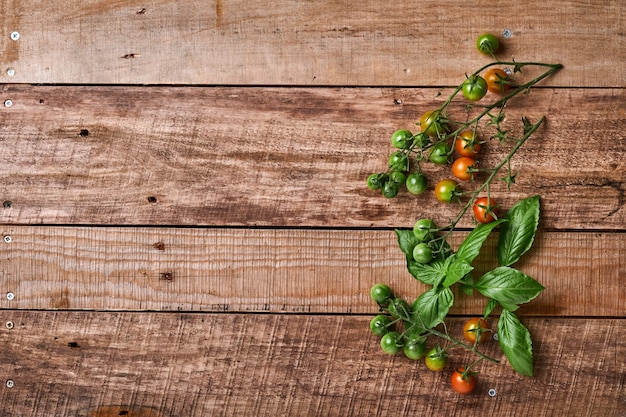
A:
(398, 331)
(437, 142)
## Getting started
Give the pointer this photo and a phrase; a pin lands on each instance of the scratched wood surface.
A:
(311, 271)
(283, 156)
(293, 365)
(187, 231)
(328, 42)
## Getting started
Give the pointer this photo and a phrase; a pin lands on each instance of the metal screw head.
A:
(506, 33)
(10, 383)
(10, 72)
(8, 103)
(492, 392)
(495, 336)
(8, 239)
(10, 296)
(10, 325)
(15, 35)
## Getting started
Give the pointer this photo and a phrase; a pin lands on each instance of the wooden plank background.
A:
(187, 231)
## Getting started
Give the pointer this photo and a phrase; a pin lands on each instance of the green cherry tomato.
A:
(380, 324)
(447, 191)
(424, 230)
(390, 189)
(376, 181)
(415, 349)
(381, 294)
(399, 309)
(436, 359)
(487, 44)
(398, 177)
(398, 161)
(422, 253)
(474, 87)
(416, 183)
(439, 153)
(391, 343)
(402, 139)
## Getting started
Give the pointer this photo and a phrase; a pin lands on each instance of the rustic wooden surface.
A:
(265, 364)
(312, 271)
(282, 156)
(295, 42)
(187, 231)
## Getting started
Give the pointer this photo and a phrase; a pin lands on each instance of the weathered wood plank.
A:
(282, 156)
(306, 43)
(81, 363)
(318, 271)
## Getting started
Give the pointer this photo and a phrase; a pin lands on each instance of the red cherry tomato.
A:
(462, 382)
(484, 209)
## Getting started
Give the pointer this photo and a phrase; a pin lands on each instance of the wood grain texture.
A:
(76, 363)
(295, 42)
(283, 156)
(311, 271)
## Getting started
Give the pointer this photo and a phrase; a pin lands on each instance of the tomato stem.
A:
(456, 342)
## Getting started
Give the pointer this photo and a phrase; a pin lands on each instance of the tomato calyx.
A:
(466, 373)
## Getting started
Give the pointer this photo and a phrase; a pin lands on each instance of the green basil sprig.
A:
(502, 286)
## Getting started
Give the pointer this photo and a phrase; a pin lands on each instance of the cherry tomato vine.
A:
(429, 255)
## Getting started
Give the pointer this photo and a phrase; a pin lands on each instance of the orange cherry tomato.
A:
(462, 168)
(466, 144)
(498, 82)
(473, 327)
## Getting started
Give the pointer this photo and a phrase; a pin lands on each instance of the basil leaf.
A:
(470, 248)
(456, 271)
(508, 286)
(516, 343)
(432, 306)
(518, 233)
(407, 241)
(491, 304)
(431, 274)
(508, 306)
